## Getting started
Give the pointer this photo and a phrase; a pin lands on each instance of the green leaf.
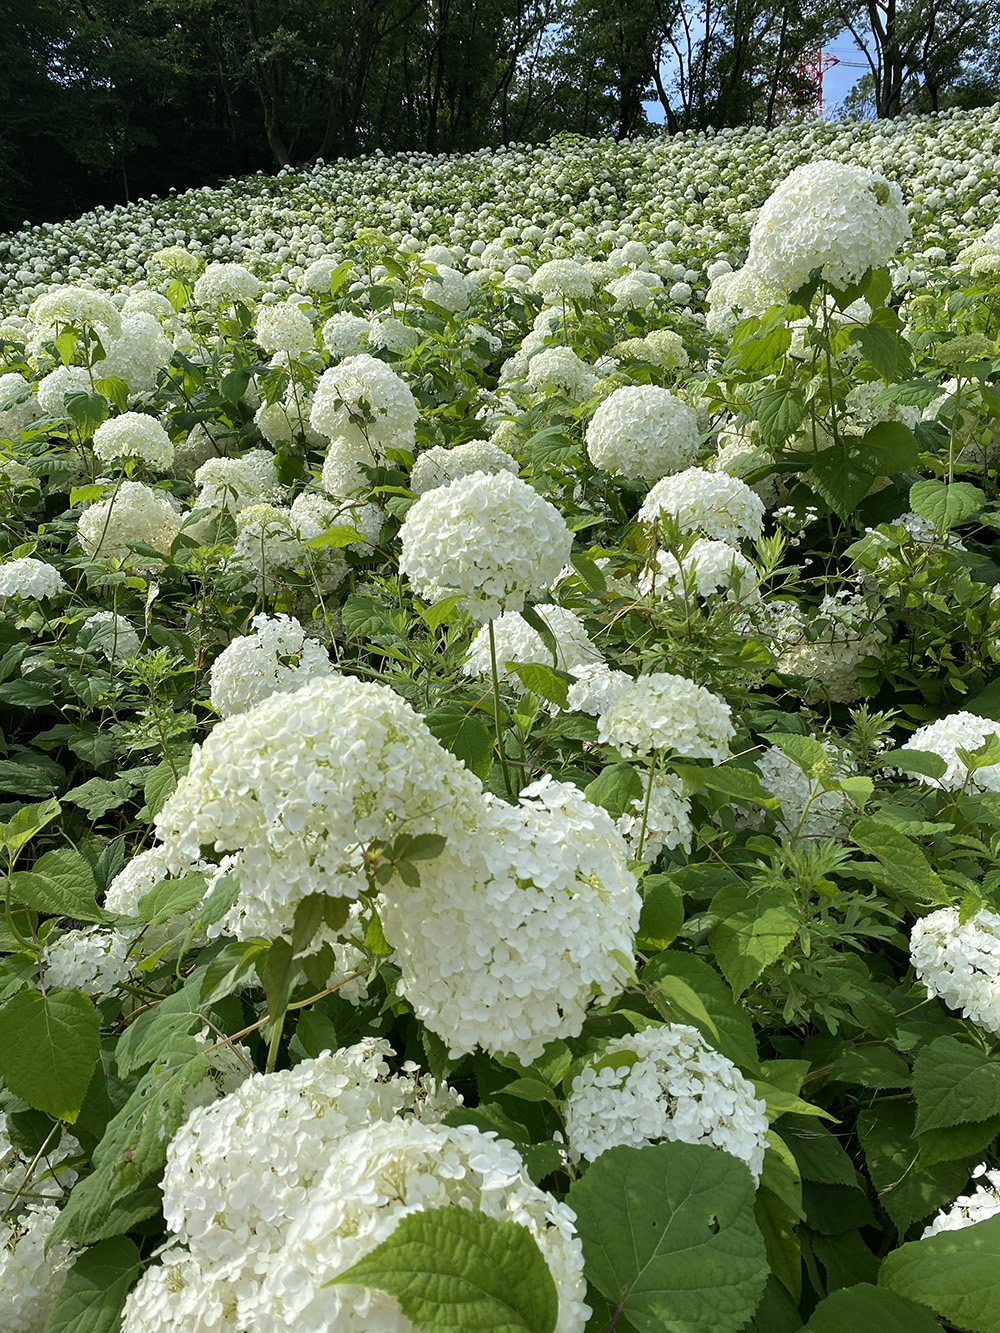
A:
(39, 778)
(841, 478)
(669, 1237)
(592, 574)
(455, 1270)
(234, 385)
(754, 932)
(805, 751)
(91, 1298)
(779, 413)
(224, 893)
(61, 883)
(906, 864)
(678, 992)
(615, 789)
(159, 786)
(862, 1307)
(894, 445)
(97, 796)
(759, 352)
(551, 447)
(879, 347)
(171, 897)
(335, 537)
(441, 613)
(88, 410)
(26, 822)
(228, 968)
(114, 389)
(723, 1023)
(872, 1067)
(924, 762)
(956, 1273)
(945, 505)
(662, 912)
(907, 1190)
(460, 731)
(958, 1142)
(364, 618)
(49, 1046)
(547, 683)
(954, 1083)
(543, 629)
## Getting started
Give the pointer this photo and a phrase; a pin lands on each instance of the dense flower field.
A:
(500, 794)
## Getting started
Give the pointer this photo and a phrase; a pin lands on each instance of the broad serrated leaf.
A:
(662, 912)
(592, 574)
(455, 1270)
(956, 1273)
(49, 1046)
(908, 1191)
(669, 1237)
(841, 478)
(906, 864)
(945, 505)
(460, 731)
(894, 445)
(924, 762)
(879, 348)
(722, 1022)
(779, 412)
(548, 683)
(158, 787)
(61, 883)
(616, 789)
(805, 751)
(872, 1067)
(97, 796)
(26, 822)
(954, 1083)
(441, 613)
(754, 932)
(90, 1300)
(859, 1308)
(171, 897)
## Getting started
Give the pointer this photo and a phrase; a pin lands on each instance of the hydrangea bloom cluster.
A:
(133, 513)
(134, 435)
(557, 279)
(712, 566)
(960, 961)
(139, 353)
(560, 369)
(968, 1209)
(663, 711)
(830, 216)
(437, 466)
(668, 820)
(275, 658)
(948, 735)
(18, 405)
(517, 642)
(109, 634)
(505, 943)
(488, 537)
(225, 284)
(30, 578)
(235, 483)
(365, 401)
(711, 503)
(284, 327)
(805, 807)
(302, 784)
(595, 687)
(678, 1089)
(643, 431)
(345, 334)
(76, 305)
(828, 648)
(94, 960)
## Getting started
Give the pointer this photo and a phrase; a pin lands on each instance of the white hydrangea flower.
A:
(81, 306)
(679, 1089)
(271, 540)
(342, 468)
(960, 962)
(134, 513)
(319, 274)
(180, 1294)
(630, 293)
(505, 944)
(53, 388)
(945, 737)
(668, 820)
(26, 1181)
(595, 687)
(24, 407)
(240, 1170)
(364, 400)
(94, 959)
(275, 658)
(139, 353)
(968, 1209)
(662, 711)
(232, 483)
(134, 435)
(714, 566)
(345, 334)
(281, 422)
(831, 216)
(225, 284)
(30, 1279)
(391, 334)
(805, 806)
(713, 503)
(643, 431)
(447, 288)
(559, 278)
(30, 578)
(560, 368)
(517, 642)
(381, 1174)
(302, 784)
(284, 327)
(489, 537)
(437, 466)
(843, 641)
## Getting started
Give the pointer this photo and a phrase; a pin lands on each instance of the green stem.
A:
(272, 1050)
(496, 711)
(645, 805)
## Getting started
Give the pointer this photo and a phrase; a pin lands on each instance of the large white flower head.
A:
(829, 649)
(23, 406)
(678, 1089)
(241, 1170)
(284, 327)
(365, 401)
(233, 484)
(662, 711)
(345, 334)
(516, 641)
(713, 567)
(80, 306)
(275, 658)
(134, 513)
(281, 422)
(805, 807)
(562, 278)
(179, 1293)
(447, 288)
(960, 962)
(968, 1209)
(271, 540)
(560, 369)
(945, 737)
(54, 388)
(831, 216)
(381, 1174)
(225, 284)
(94, 959)
(595, 687)
(711, 503)
(140, 351)
(29, 578)
(668, 820)
(643, 431)
(134, 435)
(505, 947)
(489, 537)
(30, 1279)
(302, 784)
(437, 466)
(109, 634)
